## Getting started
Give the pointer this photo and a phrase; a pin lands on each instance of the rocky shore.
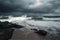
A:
(8, 32)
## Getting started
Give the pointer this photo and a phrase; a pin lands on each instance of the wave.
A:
(28, 23)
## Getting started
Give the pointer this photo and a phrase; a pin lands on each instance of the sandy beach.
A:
(21, 35)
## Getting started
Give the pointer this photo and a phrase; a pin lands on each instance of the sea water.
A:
(52, 27)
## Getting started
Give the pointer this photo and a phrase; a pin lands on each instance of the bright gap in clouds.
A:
(35, 4)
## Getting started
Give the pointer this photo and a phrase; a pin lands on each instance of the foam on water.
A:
(49, 26)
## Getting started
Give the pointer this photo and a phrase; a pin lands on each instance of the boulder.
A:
(41, 32)
(34, 30)
(6, 34)
(16, 26)
(6, 30)
(9, 25)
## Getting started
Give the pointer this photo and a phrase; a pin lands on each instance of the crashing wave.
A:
(28, 23)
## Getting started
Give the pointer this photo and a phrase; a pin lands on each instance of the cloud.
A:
(9, 5)
(28, 6)
(55, 6)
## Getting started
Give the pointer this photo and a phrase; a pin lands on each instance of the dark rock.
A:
(6, 34)
(7, 25)
(16, 26)
(6, 30)
(4, 24)
(34, 29)
(41, 32)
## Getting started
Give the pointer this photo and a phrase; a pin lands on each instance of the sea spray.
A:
(28, 23)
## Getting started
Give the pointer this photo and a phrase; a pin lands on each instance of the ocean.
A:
(33, 21)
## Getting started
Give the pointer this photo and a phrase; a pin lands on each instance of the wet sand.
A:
(21, 35)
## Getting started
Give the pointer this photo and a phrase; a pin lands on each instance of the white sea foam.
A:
(32, 24)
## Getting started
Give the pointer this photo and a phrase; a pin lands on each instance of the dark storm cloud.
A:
(9, 6)
(56, 6)
(23, 6)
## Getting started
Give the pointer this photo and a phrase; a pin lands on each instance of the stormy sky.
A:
(30, 6)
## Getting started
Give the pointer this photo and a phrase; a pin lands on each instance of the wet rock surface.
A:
(6, 30)
(6, 34)
(7, 24)
(40, 32)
